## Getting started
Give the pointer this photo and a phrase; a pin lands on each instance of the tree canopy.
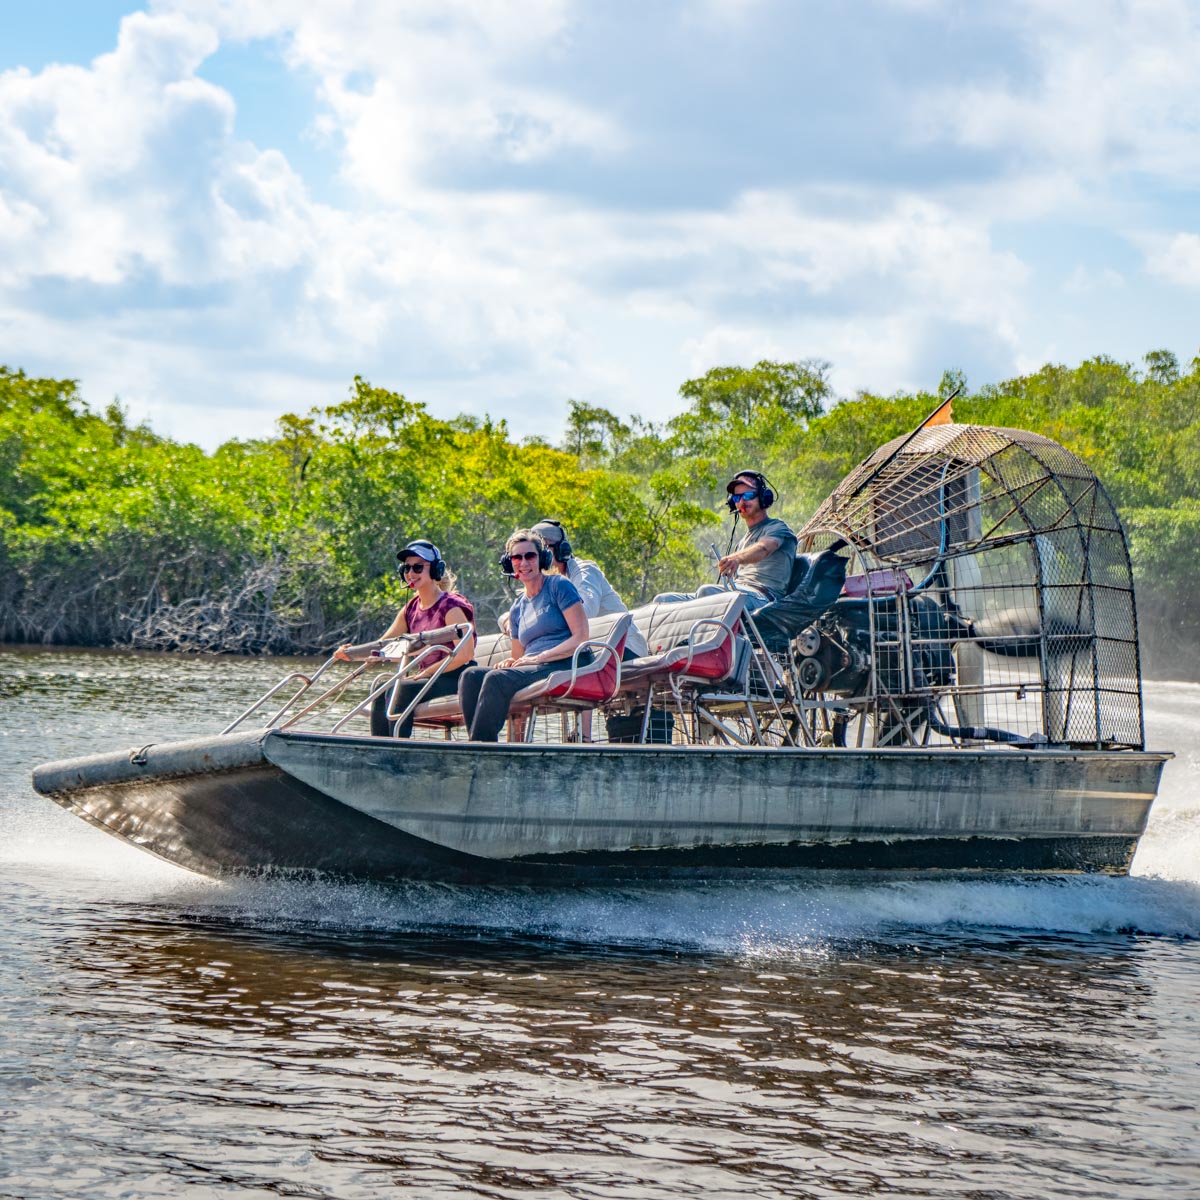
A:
(110, 533)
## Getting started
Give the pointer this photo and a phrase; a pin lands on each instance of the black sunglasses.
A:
(415, 568)
(529, 554)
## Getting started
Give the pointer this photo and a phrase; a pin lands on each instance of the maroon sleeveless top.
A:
(420, 619)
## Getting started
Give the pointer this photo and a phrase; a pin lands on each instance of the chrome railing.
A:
(403, 656)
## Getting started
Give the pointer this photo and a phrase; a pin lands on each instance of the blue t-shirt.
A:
(538, 622)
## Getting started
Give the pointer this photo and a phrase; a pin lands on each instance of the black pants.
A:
(446, 684)
(486, 693)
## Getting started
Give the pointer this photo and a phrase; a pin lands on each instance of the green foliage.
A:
(740, 417)
(593, 434)
(106, 528)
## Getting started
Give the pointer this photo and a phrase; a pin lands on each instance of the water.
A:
(165, 1036)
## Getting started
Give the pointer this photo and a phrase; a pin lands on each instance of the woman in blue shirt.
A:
(547, 623)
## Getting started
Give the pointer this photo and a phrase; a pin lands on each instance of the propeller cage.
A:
(989, 588)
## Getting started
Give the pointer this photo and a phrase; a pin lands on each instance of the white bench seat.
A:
(695, 639)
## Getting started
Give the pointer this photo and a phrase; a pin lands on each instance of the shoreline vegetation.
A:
(111, 535)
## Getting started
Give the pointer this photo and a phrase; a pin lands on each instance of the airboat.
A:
(951, 684)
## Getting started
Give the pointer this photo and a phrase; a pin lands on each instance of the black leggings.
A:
(446, 684)
(486, 693)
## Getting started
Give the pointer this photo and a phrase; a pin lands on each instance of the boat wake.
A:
(760, 919)
(774, 920)
(767, 920)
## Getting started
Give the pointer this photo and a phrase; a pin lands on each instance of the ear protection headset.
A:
(561, 550)
(437, 568)
(766, 494)
(545, 558)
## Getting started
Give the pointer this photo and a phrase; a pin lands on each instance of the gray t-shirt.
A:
(772, 574)
(538, 622)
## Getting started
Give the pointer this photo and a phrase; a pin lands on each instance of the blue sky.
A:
(222, 212)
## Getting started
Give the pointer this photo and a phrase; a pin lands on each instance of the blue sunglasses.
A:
(738, 497)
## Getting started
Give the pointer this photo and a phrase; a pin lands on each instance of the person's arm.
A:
(517, 653)
(761, 549)
(347, 653)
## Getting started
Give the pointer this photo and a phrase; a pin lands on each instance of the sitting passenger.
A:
(762, 563)
(546, 623)
(600, 598)
(435, 605)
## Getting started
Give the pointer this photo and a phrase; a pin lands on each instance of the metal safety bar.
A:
(433, 640)
(308, 680)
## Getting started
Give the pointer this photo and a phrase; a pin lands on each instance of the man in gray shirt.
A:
(762, 563)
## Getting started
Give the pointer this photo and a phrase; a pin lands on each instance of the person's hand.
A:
(526, 660)
(340, 653)
(508, 662)
(728, 566)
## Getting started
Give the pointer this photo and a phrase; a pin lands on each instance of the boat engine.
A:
(834, 652)
(833, 658)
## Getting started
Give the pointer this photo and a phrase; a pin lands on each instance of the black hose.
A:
(981, 733)
(973, 733)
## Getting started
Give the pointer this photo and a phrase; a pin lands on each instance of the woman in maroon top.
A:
(434, 605)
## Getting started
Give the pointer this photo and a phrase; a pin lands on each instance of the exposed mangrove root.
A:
(269, 607)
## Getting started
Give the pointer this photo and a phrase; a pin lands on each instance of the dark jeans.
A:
(486, 693)
(446, 684)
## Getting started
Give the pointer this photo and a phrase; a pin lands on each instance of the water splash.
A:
(740, 919)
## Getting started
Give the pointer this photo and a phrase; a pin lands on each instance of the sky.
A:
(222, 212)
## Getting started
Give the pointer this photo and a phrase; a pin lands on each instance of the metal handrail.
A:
(771, 685)
(461, 632)
(604, 646)
(309, 680)
(693, 648)
(429, 638)
(338, 687)
(264, 698)
(390, 681)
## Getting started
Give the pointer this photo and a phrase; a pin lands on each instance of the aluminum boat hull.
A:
(371, 809)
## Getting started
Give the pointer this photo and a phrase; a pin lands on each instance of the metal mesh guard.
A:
(1013, 534)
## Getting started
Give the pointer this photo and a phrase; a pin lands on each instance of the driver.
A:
(762, 563)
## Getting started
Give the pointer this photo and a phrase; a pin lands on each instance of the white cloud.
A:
(1176, 259)
(1108, 85)
(433, 80)
(117, 160)
(152, 251)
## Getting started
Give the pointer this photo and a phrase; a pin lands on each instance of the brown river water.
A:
(163, 1035)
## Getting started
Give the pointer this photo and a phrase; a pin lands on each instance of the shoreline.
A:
(36, 648)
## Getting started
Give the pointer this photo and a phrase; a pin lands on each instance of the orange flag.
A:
(942, 415)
